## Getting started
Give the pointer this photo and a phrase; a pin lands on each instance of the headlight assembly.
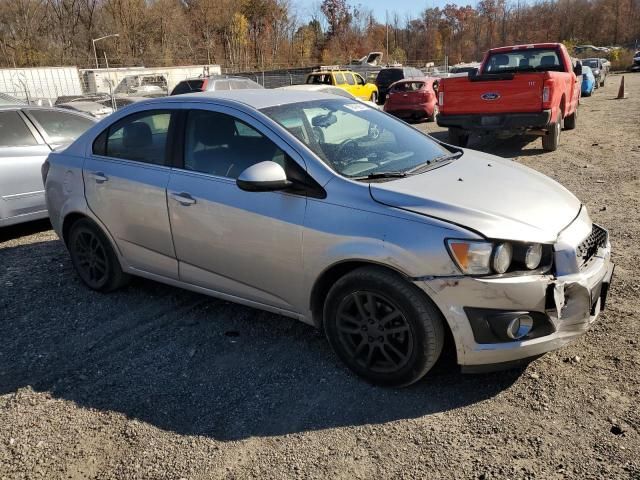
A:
(478, 257)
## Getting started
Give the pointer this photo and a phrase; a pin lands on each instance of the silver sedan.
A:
(322, 209)
(27, 135)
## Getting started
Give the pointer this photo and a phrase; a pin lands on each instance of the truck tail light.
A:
(545, 93)
(546, 90)
(440, 98)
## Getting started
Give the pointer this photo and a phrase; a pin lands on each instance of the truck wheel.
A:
(458, 137)
(382, 327)
(552, 138)
(602, 83)
(571, 120)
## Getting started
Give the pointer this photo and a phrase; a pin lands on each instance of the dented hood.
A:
(498, 198)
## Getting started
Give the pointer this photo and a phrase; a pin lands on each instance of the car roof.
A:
(322, 72)
(216, 77)
(255, 98)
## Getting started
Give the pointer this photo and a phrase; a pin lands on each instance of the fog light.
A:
(519, 327)
(533, 256)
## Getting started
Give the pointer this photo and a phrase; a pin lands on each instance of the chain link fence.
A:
(99, 91)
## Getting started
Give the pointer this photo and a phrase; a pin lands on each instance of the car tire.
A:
(551, 140)
(398, 342)
(458, 137)
(93, 257)
(571, 121)
(602, 82)
(374, 97)
(434, 114)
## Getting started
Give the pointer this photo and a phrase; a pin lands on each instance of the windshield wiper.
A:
(423, 167)
(373, 176)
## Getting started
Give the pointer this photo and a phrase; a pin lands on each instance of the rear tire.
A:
(93, 258)
(551, 140)
(571, 121)
(458, 137)
(382, 327)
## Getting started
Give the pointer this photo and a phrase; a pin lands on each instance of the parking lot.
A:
(156, 382)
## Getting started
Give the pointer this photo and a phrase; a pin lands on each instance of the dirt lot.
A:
(154, 382)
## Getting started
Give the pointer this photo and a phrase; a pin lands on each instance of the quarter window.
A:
(141, 136)
(349, 78)
(359, 79)
(13, 131)
(221, 145)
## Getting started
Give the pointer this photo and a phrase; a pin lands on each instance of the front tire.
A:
(571, 121)
(382, 327)
(93, 258)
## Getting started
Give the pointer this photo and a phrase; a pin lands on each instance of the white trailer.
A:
(40, 83)
(141, 80)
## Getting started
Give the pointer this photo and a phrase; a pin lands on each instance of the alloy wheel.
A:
(91, 258)
(374, 332)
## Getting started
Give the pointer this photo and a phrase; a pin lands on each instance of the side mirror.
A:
(263, 177)
(578, 69)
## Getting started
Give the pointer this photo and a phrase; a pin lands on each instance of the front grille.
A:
(589, 247)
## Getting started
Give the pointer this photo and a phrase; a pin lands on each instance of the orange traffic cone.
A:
(621, 90)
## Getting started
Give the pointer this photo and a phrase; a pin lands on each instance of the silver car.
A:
(27, 135)
(325, 210)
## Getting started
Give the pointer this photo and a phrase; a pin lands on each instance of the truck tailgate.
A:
(489, 94)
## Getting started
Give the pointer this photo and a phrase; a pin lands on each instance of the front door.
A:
(245, 244)
(125, 178)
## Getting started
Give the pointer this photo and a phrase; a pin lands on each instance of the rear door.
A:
(126, 176)
(22, 153)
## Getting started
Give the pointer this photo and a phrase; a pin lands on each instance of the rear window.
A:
(188, 86)
(61, 127)
(407, 86)
(524, 60)
(389, 75)
(319, 79)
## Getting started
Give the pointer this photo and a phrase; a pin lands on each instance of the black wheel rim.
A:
(91, 258)
(374, 332)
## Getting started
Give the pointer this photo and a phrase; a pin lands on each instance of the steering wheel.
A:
(345, 145)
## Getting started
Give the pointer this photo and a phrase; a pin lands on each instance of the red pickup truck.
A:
(533, 89)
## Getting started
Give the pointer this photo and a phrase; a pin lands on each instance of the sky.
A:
(402, 7)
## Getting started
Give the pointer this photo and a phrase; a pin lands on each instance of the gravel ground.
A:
(155, 382)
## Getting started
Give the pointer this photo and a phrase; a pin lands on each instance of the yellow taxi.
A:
(352, 82)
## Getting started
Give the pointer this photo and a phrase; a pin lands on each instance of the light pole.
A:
(94, 40)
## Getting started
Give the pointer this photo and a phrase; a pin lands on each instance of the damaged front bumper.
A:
(563, 305)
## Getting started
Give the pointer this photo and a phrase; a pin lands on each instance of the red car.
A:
(522, 89)
(413, 99)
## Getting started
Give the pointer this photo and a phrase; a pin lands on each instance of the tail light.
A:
(44, 170)
(546, 91)
(440, 98)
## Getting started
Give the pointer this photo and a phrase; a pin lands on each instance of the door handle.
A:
(183, 198)
(99, 177)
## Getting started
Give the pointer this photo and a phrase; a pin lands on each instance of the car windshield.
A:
(524, 60)
(590, 63)
(358, 141)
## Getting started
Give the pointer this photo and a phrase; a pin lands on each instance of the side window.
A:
(13, 131)
(349, 78)
(339, 78)
(359, 79)
(141, 136)
(61, 127)
(222, 145)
